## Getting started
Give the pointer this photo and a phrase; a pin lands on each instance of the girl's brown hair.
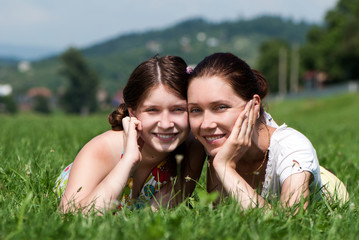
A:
(169, 71)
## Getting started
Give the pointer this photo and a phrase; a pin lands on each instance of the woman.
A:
(251, 158)
(137, 157)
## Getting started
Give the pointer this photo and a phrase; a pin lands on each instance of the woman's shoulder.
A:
(287, 137)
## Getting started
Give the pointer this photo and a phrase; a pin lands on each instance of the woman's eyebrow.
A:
(213, 103)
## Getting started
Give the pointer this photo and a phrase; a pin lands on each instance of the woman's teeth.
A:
(213, 138)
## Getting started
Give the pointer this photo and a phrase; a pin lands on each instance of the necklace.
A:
(256, 172)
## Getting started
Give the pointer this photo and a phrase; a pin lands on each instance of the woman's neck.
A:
(260, 142)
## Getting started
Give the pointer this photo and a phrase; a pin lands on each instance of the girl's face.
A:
(213, 109)
(164, 119)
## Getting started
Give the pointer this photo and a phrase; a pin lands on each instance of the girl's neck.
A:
(151, 157)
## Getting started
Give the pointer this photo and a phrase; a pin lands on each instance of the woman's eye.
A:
(221, 107)
(151, 110)
(194, 110)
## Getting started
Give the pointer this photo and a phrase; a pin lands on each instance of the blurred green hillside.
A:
(193, 40)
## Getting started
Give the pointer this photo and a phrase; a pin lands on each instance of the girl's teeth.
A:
(165, 135)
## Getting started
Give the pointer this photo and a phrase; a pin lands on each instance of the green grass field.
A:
(34, 149)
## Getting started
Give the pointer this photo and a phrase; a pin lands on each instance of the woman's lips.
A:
(213, 138)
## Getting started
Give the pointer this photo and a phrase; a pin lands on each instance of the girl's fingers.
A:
(131, 127)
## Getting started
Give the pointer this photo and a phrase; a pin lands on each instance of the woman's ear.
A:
(131, 112)
(256, 99)
(257, 102)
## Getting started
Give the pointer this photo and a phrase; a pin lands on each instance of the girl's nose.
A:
(165, 121)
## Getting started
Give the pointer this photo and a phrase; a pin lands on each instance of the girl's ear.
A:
(131, 112)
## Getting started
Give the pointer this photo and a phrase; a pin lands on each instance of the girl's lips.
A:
(213, 138)
(167, 137)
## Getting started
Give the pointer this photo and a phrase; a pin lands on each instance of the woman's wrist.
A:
(218, 164)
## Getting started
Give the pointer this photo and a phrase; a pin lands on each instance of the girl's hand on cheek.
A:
(132, 140)
(240, 138)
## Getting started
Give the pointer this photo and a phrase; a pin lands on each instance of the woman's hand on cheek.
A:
(131, 140)
(240, 138)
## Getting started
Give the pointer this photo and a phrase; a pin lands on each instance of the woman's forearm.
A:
(237, 187)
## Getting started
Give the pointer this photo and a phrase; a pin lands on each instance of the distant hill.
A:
(30, 53)
(193, 40)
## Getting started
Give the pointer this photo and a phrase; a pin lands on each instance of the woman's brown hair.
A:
(245, 81)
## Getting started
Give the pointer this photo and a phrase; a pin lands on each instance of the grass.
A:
(34, 149)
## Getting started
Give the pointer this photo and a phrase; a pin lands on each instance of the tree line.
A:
(331, 48)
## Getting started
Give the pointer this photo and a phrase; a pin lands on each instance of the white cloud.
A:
(16, 13)
(82, 22)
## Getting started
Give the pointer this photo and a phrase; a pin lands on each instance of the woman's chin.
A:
(212, 152)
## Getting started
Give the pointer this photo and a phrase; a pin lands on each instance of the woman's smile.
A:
(212, 139)
(213, 109)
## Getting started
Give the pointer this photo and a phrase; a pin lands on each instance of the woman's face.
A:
(164, 119)
(213, 109)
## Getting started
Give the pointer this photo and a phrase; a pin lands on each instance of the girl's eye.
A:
(180, 109)
(151, 110)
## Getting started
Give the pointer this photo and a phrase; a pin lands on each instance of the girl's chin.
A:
(166, 147)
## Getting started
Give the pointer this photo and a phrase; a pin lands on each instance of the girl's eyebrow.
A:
(154, 105)
(149, 105)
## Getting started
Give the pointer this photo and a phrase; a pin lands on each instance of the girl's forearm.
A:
(107, 192)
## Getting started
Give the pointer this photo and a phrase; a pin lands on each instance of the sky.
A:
(58, 24)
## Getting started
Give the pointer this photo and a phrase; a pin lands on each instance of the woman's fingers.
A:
(251, 122)
(246, 124)
(238, 125)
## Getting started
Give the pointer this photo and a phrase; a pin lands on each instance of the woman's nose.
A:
(208, 121)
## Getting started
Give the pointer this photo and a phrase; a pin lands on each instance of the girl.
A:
(251, 158)
(137, 157)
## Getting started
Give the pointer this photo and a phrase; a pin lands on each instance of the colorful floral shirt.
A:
(158, 177)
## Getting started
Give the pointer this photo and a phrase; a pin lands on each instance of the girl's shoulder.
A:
(105, 146)
(108, 138)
